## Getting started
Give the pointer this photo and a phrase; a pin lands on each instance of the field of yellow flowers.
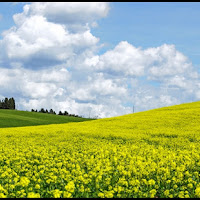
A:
(147, 154)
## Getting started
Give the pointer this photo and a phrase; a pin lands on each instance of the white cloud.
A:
(38, 90)
(127, 60)
(76, 15)
(167, 61)
(124, 58)
(38, 39)
(49, 59)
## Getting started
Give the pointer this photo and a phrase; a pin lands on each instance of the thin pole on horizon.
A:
(90, 111)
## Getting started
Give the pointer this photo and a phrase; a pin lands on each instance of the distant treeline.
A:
(51, 111)
(10, 104)
(7, 103)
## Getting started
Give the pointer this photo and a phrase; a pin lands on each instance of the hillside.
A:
(15, 118)
(154, 153)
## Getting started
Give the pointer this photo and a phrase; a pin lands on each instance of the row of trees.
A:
(10, 104)
(42, 110)
(51, 111)
(7, 103)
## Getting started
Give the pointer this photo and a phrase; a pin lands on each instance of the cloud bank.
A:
(50, 59)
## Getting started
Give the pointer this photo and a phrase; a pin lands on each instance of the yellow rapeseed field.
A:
(148, 154)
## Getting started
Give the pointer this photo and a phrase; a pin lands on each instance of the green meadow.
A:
(16, 118)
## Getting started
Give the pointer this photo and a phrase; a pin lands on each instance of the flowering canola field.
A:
(154, 153)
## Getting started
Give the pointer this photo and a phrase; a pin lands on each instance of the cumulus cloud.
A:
(37, 40)
(50, 59)
(157, 66)
(156, 62)
(167, 61)
(123, 59)
(75, 15)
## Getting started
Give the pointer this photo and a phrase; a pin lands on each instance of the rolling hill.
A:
(16, 118)
(154, 153)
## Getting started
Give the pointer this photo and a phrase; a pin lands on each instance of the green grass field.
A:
(15, 118)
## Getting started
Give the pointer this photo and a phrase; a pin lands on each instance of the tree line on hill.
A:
(7, 103)
(51, 111)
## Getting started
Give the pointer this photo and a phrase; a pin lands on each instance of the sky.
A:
(99, 59)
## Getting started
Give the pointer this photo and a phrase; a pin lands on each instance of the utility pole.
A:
(90, 109)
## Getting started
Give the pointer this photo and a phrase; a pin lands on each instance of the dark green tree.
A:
(51, 111)
(42, 110)
(6, 103)
(3, 104)
(65, 113)
(11, 103)
(60, 113)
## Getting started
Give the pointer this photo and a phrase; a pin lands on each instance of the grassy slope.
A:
(153, 126)
(158, 126)
(15, 118)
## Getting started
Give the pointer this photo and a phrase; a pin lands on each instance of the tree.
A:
(65, 113)
(42, 110)
(32, 110)
(6, 105)
(60, 113)
(47, 111)
(51, 111)
(11, 103)
(3, 104)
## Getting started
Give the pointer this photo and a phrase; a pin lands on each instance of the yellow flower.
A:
(12, 187)
(37, 186)
(67, 194)
(109, 194)
(2, 195)
(70, 187)
(187, 196)
(166, 193)
(101, 195)
(57, 193)
(175, 186)
(81, 188)
(151, 182)
(24, 181)
(152, 193)
(181, 194)
(197, 191)
(33, 195)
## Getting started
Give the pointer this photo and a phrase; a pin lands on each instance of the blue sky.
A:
(135, 51)
(7, 10)
(150, 24)
(143, 24)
